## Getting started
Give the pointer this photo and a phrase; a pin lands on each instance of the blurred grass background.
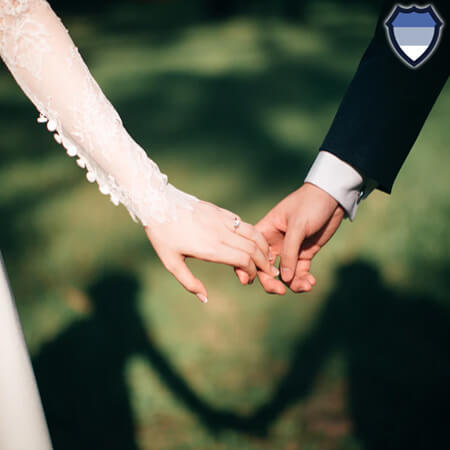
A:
(232, 100)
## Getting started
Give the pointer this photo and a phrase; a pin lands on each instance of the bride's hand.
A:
(208, 233)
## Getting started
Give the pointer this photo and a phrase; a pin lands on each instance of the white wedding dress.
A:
(42, 58)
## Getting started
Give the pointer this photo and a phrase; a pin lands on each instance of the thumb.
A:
(262, 225)
(293, 239)
(185, 277)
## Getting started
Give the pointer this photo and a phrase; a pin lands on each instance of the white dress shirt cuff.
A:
(345, 184)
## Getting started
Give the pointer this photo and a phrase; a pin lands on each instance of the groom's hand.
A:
(296, 229)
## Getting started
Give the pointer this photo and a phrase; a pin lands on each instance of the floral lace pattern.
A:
(15, 7)
(38, 51)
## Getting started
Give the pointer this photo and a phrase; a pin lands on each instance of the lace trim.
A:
(15, 7)
(108, 186)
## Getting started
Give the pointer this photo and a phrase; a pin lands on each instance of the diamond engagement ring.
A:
(236, 223)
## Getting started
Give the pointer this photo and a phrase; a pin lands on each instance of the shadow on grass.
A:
(396, 350)
(81, 373)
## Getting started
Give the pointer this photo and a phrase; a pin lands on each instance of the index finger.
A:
(293, 239)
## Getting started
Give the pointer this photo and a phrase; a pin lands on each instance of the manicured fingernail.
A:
(275, 271)
(202, 298)
(286, 274)
(270, 255)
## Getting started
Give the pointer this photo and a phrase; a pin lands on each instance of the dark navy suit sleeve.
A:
(387, 104)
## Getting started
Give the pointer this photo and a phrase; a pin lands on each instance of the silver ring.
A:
(236, 223)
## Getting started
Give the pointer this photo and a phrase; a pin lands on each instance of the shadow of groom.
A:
(396, 350)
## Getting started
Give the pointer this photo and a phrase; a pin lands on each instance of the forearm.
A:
(45, 63)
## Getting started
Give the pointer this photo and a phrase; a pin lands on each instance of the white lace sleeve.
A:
(45, 63)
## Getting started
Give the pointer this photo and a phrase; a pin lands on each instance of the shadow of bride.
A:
(81, 373)
(396, 350)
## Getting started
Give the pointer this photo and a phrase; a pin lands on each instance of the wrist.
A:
(168, 207)
(321, 196)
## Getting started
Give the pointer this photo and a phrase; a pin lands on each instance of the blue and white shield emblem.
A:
(414, 32)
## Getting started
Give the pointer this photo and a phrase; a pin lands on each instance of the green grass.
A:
(234, 112)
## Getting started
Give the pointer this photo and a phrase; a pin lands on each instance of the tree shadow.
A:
(81, 373)
(396, 350)
(209, 9)
(293, 10)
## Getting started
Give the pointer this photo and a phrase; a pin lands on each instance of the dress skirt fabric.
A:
(22, 421)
